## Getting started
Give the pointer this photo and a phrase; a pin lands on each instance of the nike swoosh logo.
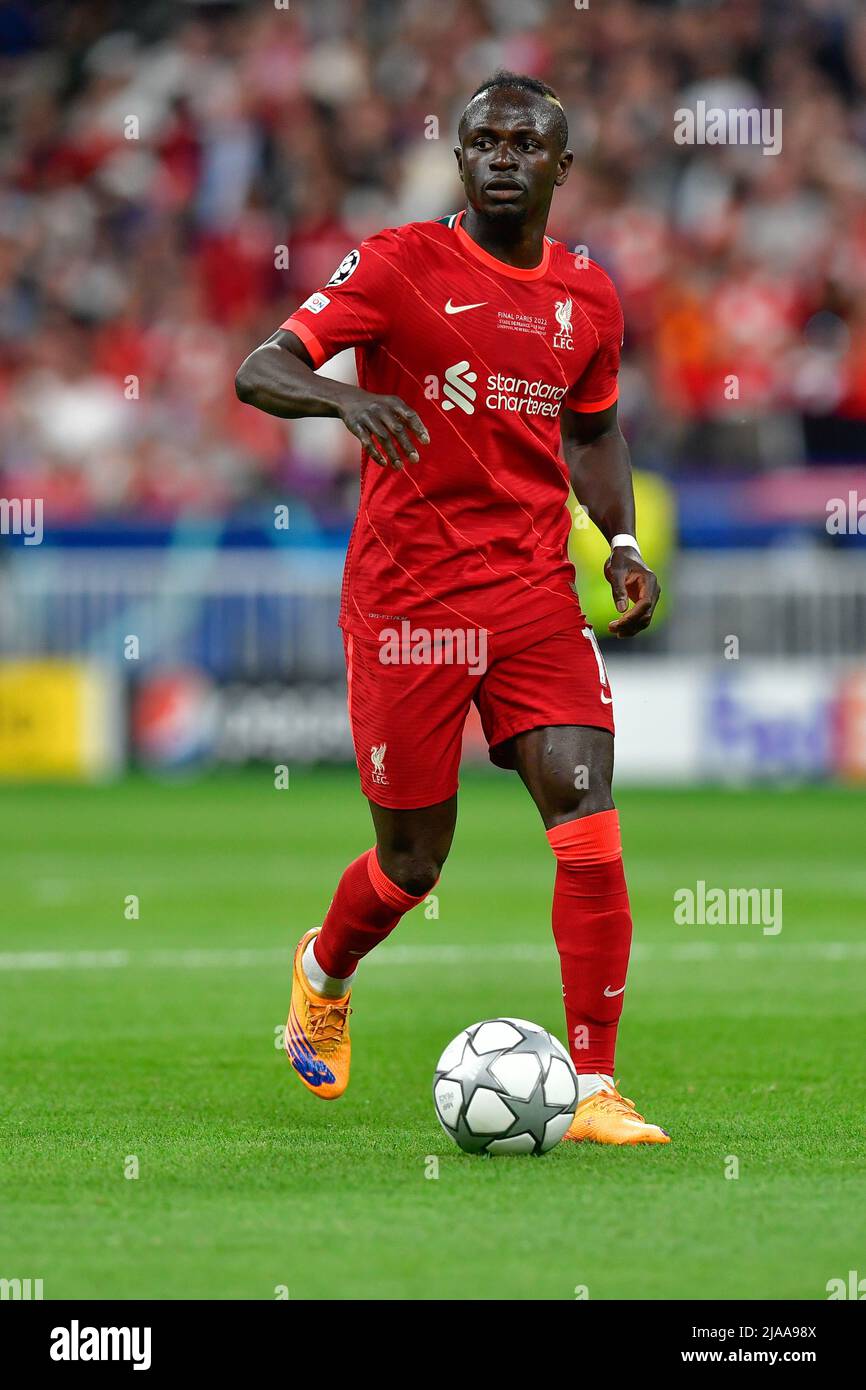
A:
(461, 308)
(611, 993)
(606, 699)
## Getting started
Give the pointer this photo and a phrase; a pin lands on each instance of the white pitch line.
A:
(686, 952)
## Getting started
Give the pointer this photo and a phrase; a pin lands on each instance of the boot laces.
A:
(327, 1023)
(612, 1100)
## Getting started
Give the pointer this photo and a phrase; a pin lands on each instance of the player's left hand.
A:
(630, 578)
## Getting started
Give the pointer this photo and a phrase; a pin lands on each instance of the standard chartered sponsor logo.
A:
(517, 394)
(458, 388)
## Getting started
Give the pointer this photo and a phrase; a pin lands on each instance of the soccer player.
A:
(482, 347)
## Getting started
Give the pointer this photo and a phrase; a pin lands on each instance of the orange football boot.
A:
(317, 1033)
(608, 1118)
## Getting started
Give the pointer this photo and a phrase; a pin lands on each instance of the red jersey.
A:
(475, 534)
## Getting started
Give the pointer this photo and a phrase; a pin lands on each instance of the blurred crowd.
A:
(176, 177)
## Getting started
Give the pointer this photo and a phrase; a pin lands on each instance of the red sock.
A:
(592, 929)
(365, 909)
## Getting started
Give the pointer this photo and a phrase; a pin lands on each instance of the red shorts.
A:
(407, 716)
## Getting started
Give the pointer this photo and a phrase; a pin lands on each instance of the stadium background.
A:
(178, 177)
(175, 179)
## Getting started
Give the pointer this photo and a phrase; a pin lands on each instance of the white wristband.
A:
(624, 539)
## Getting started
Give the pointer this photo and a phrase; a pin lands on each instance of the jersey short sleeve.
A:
(597, 388)
(352, 309)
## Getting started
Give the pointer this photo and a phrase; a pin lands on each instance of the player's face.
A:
(509, 156)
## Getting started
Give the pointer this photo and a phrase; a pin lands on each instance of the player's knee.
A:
(582, 796)
(415, 871)
(580, 804)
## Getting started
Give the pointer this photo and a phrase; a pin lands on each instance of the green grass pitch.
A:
(153, 1039)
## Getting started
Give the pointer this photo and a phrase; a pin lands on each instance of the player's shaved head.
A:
(550, 114)
(512, 152)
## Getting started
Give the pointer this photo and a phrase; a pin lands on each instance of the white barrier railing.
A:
(788, 602)
(267, 612)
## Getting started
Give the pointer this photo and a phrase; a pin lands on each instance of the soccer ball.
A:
(505, 1086)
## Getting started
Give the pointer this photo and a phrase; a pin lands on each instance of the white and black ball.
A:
(505, 1086)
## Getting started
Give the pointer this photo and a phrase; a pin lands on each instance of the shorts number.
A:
(599, 659)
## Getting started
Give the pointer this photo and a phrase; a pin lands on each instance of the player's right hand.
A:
(385, 426)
